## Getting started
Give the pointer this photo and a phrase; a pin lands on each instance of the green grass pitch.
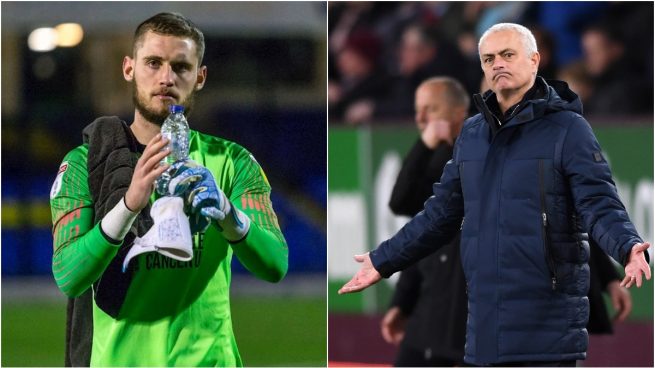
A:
(269, 332)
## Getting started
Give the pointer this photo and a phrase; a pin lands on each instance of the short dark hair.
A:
(429, 36)
(610, 31)
(171, 24)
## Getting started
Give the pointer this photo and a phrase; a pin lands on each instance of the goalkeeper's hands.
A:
(205, 201)
(174, 183)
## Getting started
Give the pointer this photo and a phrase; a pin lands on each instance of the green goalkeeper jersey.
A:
(174, 313)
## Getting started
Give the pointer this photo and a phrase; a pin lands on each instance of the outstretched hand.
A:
(636, 265)
(365, 277)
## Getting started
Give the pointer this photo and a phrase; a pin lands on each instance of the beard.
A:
(158, 116)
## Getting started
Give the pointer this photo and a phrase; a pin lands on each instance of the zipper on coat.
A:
(546, 237)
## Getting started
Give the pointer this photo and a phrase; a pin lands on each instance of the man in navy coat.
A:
(527, 185)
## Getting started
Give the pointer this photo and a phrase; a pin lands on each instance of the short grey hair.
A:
(527, 38)
(454, 92)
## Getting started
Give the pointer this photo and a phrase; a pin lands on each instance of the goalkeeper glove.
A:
(205, 201)
(172, 183)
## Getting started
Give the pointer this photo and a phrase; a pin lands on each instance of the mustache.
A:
(166, 92)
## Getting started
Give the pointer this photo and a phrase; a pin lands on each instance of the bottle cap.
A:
(176, 108)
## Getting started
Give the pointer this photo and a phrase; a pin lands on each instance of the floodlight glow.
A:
(69, 34)
(42, 39)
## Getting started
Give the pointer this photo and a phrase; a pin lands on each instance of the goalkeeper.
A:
(160, 311)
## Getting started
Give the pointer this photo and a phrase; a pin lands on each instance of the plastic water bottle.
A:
(176, 130)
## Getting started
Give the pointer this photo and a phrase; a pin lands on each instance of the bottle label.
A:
(169, 159)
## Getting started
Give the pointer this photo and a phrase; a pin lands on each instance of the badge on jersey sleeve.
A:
(56, 186)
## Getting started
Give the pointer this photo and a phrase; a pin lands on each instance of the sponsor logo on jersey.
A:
(56, 186)
(152, 261)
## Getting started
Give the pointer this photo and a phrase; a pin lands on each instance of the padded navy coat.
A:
(525, 195)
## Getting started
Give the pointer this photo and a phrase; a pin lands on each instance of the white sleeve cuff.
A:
(117, 222)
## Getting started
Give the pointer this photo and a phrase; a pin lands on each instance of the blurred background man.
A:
(617, 87)
(353, 96)
(427, 317)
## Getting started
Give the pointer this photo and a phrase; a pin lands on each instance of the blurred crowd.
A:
(379, 52)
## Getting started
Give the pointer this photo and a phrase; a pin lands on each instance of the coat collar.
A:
(543, 98)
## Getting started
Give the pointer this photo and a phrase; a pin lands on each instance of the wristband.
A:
(117, 222)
